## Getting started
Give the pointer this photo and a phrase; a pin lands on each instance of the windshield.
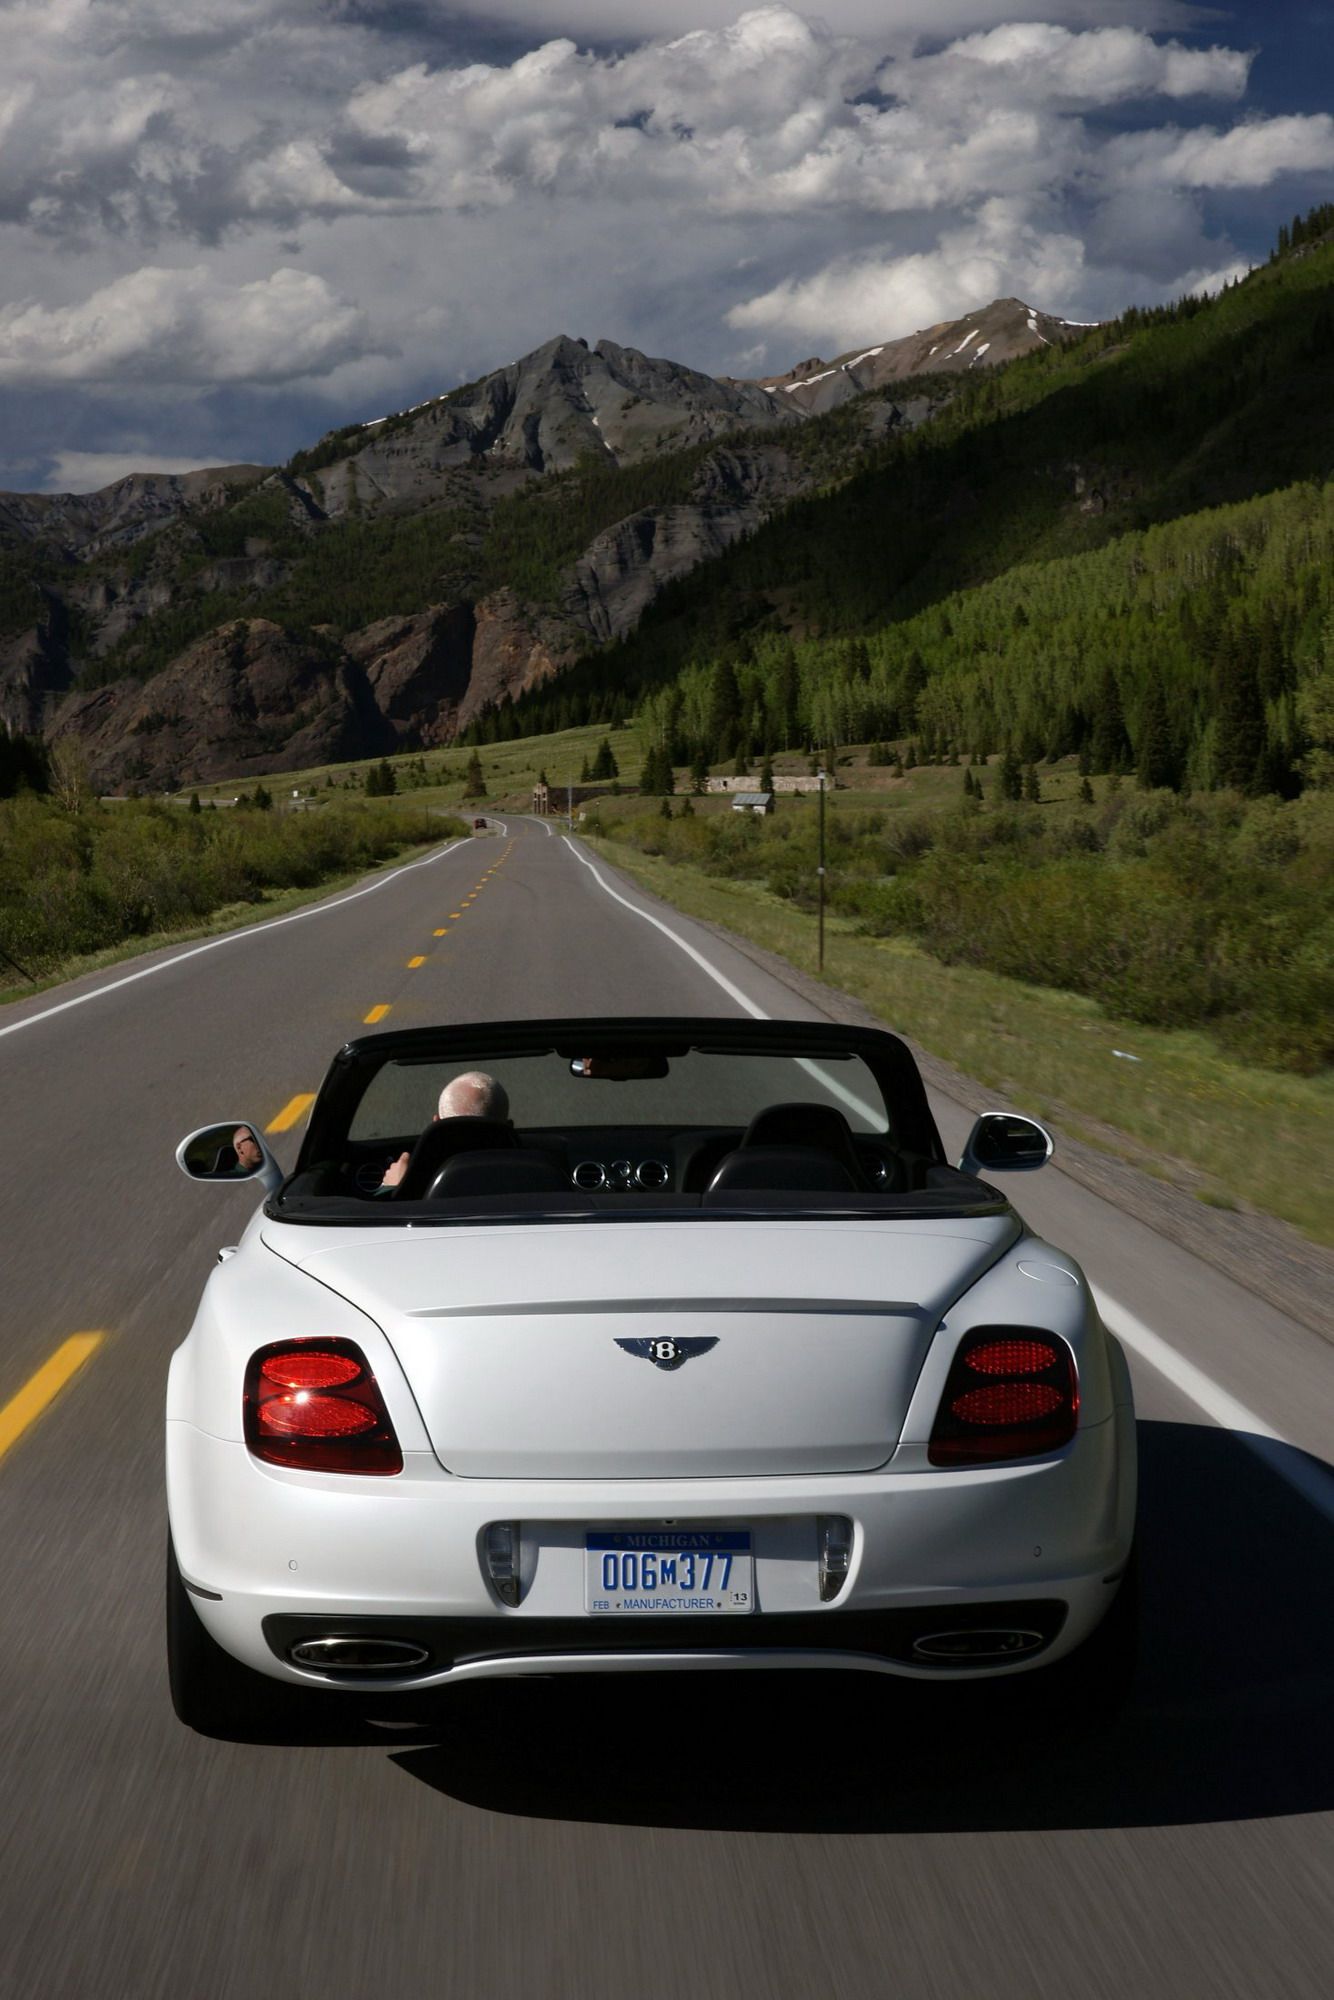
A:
(699, 1088)
(595, 1119)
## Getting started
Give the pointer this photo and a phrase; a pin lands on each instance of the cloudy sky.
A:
(229, 225)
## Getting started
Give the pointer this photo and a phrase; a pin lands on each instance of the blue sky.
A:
(230, 226)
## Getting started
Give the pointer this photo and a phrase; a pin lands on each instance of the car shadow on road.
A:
(1228, 1718)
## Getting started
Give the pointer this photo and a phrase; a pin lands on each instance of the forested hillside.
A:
(1198, 653)
(1120, 548)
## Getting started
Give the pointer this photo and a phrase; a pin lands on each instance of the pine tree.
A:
(699, 774)
(1239, 744)
(1157, 765)
(767, 776)
(1085, 792)
(604, 764)
(474, 778)
(665, 809)
(195, 806)
(263, 799)
(1109, 746)
(724, 710)
(1010, 777)
(1032, 786)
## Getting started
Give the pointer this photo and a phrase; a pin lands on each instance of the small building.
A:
(784, 781)
(752, 802)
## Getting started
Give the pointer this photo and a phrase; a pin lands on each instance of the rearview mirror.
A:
(620, 1069)
(1004, 1142)
(231, 1152)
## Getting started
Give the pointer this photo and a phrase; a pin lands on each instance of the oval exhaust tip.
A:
(359, 1656)
(963, 1648)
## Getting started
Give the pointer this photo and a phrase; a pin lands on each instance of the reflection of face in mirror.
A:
(223, 1153)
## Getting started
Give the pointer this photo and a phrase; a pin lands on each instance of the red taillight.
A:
(316, 1369)
(315, 1405)
(1027, 1403)
(1009, 1357)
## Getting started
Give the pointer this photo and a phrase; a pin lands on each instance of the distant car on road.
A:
(704, 1355)
(479, 826)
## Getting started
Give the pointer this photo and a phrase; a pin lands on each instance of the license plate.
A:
(668, 1570)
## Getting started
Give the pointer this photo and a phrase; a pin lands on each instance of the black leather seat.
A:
(818, 1126)
(788, 1169)
(512, 1170)
(442, 1141)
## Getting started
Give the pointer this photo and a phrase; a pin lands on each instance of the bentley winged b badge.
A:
(668, 1352)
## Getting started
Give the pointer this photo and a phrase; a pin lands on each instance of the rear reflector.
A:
(502, 1550)
(314, 1405)
(1026, 1404)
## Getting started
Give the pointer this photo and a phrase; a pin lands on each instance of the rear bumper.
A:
(877, 1640)
(1034, 1547)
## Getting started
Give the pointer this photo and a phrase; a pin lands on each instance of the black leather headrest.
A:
(441, 1141)
(818, 1125)
(511, 1171)
(788, 1168)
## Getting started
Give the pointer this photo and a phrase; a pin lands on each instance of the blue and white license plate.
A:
(687, 1570)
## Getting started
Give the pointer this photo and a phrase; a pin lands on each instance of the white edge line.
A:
(830, 1083)
(718, 978)
(231, 937)
(1296, 1468)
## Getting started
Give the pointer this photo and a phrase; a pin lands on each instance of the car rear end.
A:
(906, 1447)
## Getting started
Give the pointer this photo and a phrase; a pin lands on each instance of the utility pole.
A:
(820, 877)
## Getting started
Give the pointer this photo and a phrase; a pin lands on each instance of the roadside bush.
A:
(77, 883)
(1208, 911)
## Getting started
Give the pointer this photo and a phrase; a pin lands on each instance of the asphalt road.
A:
(776, 1836)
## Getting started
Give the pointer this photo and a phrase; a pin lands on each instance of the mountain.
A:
(1000, 332)
(529, 516)
(550, 544)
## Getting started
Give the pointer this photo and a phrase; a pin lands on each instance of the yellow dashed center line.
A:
(454, 916)
(442, 933)
(45, 1386)
(413, 963)
(292, 1112)
(377, 1014)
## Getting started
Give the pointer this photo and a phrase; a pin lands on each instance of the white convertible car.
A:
(701, 1356)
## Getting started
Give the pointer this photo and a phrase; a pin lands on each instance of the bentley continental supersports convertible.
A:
(599, 1346)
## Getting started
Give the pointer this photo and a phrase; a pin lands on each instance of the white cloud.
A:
(768, 116)
(1000, 253)
(334, 194)
(184, 326)
(622, 20)
(1251, 155)
(90, 471)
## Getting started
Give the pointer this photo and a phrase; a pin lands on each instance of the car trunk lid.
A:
(659, 1350)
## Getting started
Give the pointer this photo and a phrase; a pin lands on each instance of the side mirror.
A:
(1003, 1142)
(231, 1152)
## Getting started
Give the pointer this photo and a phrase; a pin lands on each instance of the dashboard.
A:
(621, 1160)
